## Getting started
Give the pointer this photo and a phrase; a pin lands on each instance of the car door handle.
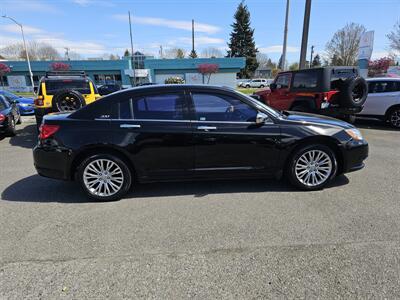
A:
(206, 128)
(129, 126)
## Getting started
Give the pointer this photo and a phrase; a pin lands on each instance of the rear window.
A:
(305, 80)
(53, 86)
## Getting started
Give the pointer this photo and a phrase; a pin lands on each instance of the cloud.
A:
(201, 40)
(278, 49)
(14, 28)
(85, 3)
(29, 6)
(183, 25)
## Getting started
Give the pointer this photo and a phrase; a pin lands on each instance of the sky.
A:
(95, 27)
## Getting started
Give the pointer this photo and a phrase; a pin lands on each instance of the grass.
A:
(25, 94)
(248, 91)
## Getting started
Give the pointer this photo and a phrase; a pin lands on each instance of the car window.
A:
(213, 107)
(160, 107)
(305, 80)
(3, 103)
(54, 86)
(125, 109)
(382, 86)
(283, 81)
(9, 95)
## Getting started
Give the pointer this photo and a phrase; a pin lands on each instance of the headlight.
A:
(24, 104)
(355, 134)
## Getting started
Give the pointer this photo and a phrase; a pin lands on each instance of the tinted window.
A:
(160, 107)
(3, 102)
(305, 80)
(211, 107)
(53, 86)
(382, 86)
(125, 109)
(283, 81)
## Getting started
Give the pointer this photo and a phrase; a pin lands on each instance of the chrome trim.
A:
(223, 169)
(130, 126)
(206, 128)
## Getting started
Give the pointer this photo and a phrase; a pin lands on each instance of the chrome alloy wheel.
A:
(395, 118)
(313, 168)
(103, 177)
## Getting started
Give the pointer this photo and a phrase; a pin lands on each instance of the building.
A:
(147, 69)
(187, 69)
(263, 72)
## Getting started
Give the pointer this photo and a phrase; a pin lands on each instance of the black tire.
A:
(353, 92)
(11, 130)
(247, 86)
(262, 86)
(393, 117)
(300, 108)
(68, 100)
(39, 120)
(19, 120)
(295, 158)
(126, 177)
(350, 119)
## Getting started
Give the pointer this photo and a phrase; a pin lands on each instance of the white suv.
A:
(383, 101)
(256, 83)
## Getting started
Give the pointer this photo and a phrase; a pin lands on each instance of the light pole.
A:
(285, 32)
(26, 50)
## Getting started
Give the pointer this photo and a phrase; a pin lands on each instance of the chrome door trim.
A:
(130, 126)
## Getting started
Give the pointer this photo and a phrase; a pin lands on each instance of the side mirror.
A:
(257, 97)
(261, 118)
(273, 86)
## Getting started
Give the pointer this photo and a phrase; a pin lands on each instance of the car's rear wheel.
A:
(11, 131)
(312, 167)
(262, 86)
(247, 85)
(394, 117)
(104, 177)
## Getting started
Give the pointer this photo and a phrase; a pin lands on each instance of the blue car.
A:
(25, 105)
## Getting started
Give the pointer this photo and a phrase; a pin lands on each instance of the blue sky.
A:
(95, 27)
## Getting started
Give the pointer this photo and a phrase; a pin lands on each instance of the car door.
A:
(382, 94)
(280, 97)
(156, 131)
(227, 140)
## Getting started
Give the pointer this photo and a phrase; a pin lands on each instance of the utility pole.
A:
(132, 56)
(304, 40)
(311, 56)
(161, 51)
(26, 51)
(67, 52)
(192, 36)
(285, 32)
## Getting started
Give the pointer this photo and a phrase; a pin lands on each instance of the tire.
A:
(300, 174)
(247, 86)
(262, 86)
(393, 117)
(19, 120)
(104, 191)
(11, 131)
(353, 92)
(67, 101)
(350, 119)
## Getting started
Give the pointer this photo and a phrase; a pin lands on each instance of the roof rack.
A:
(65, 73)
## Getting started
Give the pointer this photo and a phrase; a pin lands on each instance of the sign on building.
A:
(17, 83)
(366, 45)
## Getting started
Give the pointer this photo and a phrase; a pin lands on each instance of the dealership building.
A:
(146, 69)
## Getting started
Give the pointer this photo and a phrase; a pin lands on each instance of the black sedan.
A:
(189, 132)
(106, 89)
(9, 116)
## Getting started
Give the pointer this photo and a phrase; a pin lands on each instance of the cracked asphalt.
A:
(223, 239)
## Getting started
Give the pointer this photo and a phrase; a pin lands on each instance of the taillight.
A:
(47, 130)
(2, 117)
(39, 101)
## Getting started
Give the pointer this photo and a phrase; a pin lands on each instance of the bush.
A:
(174, 80)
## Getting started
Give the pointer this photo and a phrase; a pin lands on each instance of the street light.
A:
(26, 49)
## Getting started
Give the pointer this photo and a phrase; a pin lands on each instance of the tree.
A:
(242, 41)
(174, 80)
(262, 59)
(342, 49)
(294, 66)
(316, 61)
(394, 37)
(207, 70)
(127, 53)
(193, 54)
(37, 51)
(180, 53)
(60, 66)
(379, 66)
(47, 52)
(211, 52)
(4, 69)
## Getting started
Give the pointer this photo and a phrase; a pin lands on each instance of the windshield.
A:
(53, 86)
(261, 105)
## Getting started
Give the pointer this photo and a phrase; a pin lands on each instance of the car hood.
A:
(25, 100)
(312, 119)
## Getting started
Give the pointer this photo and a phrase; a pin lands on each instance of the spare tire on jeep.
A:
(68, 100)
(353, 92)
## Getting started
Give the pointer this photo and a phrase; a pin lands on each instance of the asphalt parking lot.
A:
(241, 239)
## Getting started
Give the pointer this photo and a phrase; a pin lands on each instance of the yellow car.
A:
(64, 91)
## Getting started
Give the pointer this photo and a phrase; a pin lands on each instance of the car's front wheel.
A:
(312, 167)
(104, 177)
(11, 130)
(394, 117)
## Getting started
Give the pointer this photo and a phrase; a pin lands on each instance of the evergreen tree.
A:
(242, 41)
(180, 53)
(193, 54)
(127, 53)
(316, 61)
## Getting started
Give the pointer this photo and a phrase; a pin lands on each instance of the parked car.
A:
(383, 101)
(64, 91)
(255, 83)
(26, 105)
(241, 82)
(182, 132)
(9, 116)
(108, 88)
(335, 91)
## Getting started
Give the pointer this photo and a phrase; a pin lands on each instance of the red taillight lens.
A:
(39, 101)
(47, 131)
(2, 117)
